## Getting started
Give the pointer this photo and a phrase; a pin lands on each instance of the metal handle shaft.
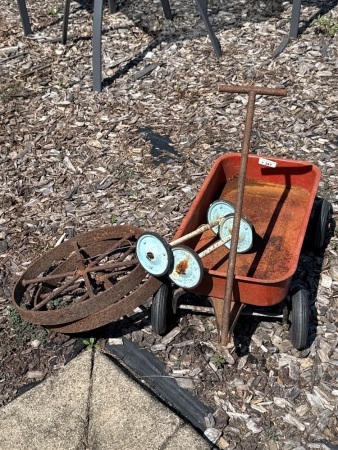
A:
(252, 91)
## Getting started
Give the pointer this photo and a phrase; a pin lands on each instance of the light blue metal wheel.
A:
(154, 253)
(187, 269)
(217, 210)
(245, 238)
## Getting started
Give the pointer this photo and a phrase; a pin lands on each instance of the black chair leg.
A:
(295, 16)
(112, 6)
(65, 22)
(167, 10)
(24, 17)
(112, 10)
(97, 45)
(203, 9)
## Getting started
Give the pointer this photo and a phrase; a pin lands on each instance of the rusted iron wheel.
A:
(84, 276)
(113, 312)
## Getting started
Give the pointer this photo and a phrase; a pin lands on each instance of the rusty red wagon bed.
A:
(278, 201)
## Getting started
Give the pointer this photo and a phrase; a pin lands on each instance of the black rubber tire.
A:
(162, 309)
(299, 317)
(322, 218)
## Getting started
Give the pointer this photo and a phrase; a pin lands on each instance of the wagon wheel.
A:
(91, 273)
(154, 254)
(188, 269)
(321, 219)
(162, 309)
(246, 233)
(299, 329)
(217, 210)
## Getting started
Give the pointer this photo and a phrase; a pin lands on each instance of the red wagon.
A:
(278, 201)
(277, 196)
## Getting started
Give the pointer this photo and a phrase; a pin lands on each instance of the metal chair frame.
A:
(295, 17)
(97, 28)
(97, 32)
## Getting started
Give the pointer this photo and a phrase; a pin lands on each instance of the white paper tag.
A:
(267, 162)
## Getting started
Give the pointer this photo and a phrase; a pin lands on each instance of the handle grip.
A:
(281, 92)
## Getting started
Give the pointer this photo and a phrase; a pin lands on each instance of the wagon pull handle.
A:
(257, 90)
(252, 91)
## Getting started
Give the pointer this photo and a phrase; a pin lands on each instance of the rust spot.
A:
(182, 266)
(150, 255)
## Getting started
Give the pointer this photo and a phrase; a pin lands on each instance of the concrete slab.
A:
(186, 438)
(125, 416)
(53, 415)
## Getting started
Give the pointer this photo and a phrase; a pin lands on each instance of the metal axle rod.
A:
(214, 246)
(201, 229)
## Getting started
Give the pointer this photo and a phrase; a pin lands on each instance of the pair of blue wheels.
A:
(182, 264)
(156, 255)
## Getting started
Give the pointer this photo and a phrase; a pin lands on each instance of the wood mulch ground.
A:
(73, 160)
